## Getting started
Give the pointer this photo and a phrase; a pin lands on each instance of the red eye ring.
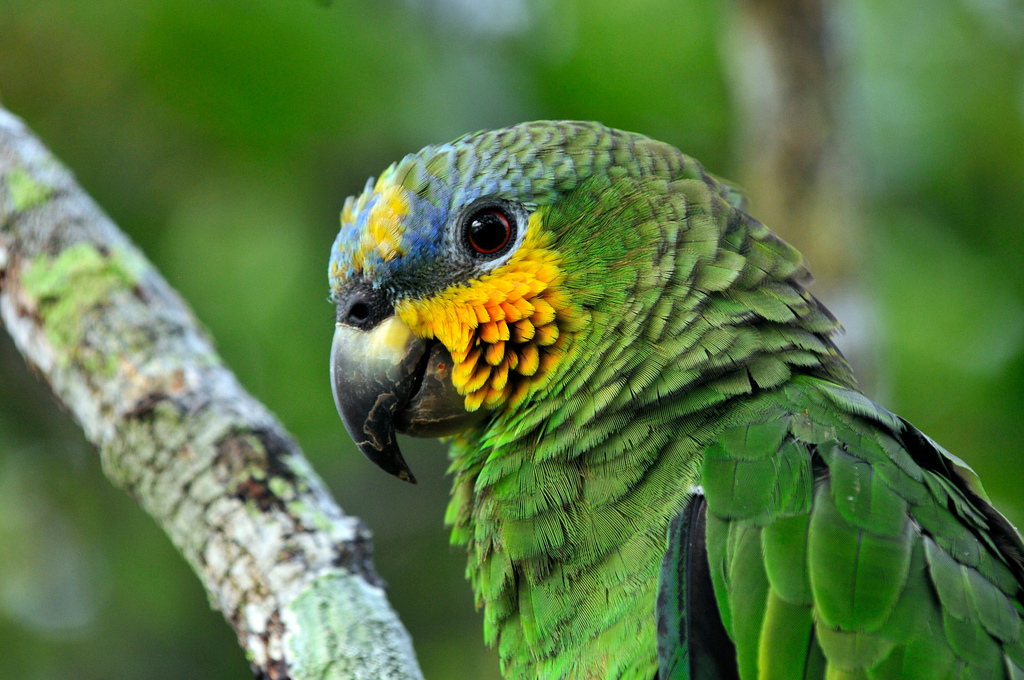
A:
(488, 232)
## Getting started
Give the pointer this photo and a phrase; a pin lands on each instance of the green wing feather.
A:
(843, 543)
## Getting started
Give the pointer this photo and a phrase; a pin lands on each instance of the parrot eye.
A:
(488, 231)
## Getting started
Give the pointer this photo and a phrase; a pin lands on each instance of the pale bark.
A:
(290, 572)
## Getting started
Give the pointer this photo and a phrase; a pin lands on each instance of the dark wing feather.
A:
(692, 642)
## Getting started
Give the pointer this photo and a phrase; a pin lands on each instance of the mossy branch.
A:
(290, 572)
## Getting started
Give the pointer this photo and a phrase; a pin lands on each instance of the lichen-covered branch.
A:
(291, 573)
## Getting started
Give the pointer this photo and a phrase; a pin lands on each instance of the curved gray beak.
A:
(373, 375)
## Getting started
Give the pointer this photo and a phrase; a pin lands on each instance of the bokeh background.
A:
(224, 136)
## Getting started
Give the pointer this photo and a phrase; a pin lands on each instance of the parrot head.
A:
(467, 277)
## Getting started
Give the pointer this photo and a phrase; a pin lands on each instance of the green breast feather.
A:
(696, 489)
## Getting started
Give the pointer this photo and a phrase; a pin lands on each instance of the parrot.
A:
(662, 465)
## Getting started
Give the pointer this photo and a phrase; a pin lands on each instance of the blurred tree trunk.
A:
(789, 82)
(289, 571)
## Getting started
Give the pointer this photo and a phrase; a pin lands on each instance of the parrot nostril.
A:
(362, 307)
(358, 312)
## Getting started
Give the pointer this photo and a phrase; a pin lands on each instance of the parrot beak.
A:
(373, 374)
(385, 379)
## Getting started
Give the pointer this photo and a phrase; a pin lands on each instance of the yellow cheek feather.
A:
(507, 330)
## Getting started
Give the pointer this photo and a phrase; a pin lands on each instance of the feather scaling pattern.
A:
(688, 484)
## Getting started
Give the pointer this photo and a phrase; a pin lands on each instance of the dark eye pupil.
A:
(489, 232)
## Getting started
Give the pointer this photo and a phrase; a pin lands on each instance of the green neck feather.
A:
(695, 314)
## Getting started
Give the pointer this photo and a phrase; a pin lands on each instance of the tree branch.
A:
(290, 572)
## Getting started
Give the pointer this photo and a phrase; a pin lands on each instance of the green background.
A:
(223, 137)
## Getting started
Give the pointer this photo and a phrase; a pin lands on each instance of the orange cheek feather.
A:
(506, 331)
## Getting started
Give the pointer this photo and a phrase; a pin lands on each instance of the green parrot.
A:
(663, 467)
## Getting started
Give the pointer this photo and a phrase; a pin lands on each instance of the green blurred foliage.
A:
(224, 137)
